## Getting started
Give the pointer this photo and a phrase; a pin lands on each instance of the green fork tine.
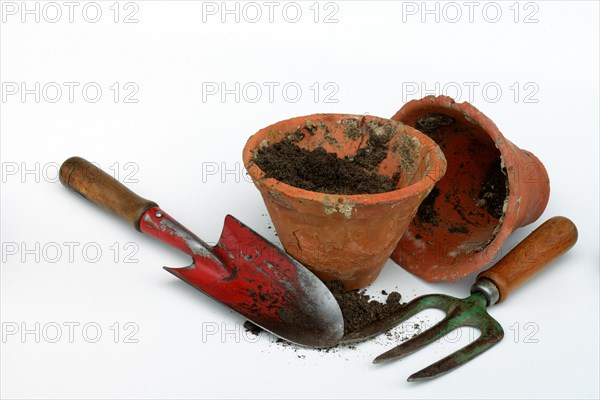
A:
(469, 312)
(487, 339)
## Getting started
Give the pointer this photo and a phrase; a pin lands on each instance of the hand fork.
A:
(552, 239)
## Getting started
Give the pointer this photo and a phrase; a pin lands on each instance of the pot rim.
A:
(436, 170)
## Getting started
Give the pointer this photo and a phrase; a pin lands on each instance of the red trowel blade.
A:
(252, 276)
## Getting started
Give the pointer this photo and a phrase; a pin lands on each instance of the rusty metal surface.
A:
(468, 312)
(252, 276)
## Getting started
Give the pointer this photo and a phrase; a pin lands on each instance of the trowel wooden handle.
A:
(98, 187)
(549, 241)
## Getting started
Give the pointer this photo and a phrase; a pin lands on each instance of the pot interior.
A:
(465, 210)
(379, 145)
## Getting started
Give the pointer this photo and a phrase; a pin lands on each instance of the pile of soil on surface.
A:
(359, 310)
(320, 171)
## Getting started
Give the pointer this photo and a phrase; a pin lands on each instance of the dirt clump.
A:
(359, 310)
(494, 190)
(426, 212)
(251, 328)
(320, 171)
(431, 122)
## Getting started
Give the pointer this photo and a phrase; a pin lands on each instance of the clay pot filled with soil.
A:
(490, 189)
(342, 189)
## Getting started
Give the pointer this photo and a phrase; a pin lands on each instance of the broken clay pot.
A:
(347, 237)
(491, 188)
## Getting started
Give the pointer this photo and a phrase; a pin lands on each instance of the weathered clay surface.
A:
(490, 189)
(347, 237)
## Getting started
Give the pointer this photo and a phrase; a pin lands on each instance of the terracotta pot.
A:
(461, 226)
(347, 237)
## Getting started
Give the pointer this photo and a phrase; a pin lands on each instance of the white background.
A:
(181, 146)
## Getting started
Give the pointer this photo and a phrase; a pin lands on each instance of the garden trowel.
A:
(243, 270)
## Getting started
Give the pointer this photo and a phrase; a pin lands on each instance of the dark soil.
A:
(359, 310)
(376, 148)
(426, 212)
(458, 229)
(493, 190)
(432, 121)
(253, 329)
(320, 171)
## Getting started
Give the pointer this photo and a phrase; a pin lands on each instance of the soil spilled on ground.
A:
(320, 171)
(358, 309)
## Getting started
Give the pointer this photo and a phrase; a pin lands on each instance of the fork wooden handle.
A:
(549, 241)
(97, 186)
